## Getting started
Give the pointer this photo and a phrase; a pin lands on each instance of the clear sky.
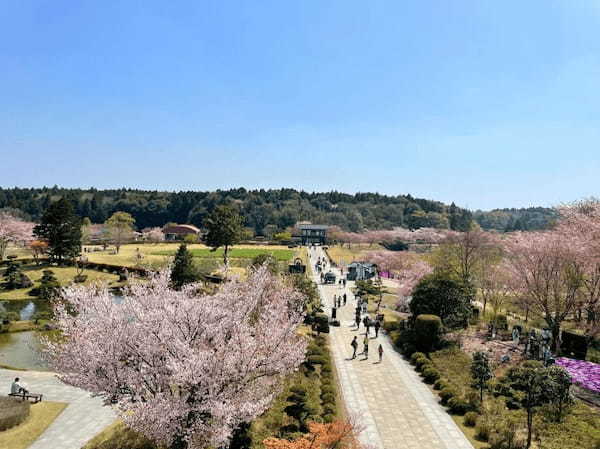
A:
(485, 103)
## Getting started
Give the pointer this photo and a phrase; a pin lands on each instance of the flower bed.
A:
(584, 374)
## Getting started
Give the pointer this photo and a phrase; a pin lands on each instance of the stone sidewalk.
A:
(397, 409)
(80, 421)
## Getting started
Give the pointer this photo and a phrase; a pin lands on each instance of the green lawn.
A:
(235, 253)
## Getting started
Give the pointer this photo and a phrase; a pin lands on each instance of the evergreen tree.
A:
(224, 226)
(481, 371)
(61, 228)
(184, 271)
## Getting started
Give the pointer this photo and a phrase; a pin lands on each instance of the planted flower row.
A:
(584, 374)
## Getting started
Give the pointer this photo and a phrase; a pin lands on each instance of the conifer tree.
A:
(184, 271)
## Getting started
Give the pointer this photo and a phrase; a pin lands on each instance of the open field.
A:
(64, 275)
(235, 253)
(341, 254)
(42, 415)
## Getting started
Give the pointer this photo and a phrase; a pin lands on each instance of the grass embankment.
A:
(64, 275)
(41, 416)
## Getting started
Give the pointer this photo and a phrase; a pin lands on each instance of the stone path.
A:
(397, 409)
(80, 421)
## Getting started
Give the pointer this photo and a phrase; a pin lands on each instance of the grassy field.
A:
(344, 255)
(235, 253)
(21, 436)
(65, 275)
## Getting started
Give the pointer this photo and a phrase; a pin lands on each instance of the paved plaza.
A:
(397, 409)
(80, 421)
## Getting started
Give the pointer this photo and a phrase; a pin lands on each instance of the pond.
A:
(26, 308)
(22, 350)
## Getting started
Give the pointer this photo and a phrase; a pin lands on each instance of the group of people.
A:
(365, 352)
(339, 301)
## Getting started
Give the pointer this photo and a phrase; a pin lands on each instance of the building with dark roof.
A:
(313, 234)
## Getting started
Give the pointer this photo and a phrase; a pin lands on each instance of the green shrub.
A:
(326, 368)
(327, 389)
(483, 428)
(501, 322)
(329, 408)
(440, 384)
(13, 412)
(430, 375)
(390, 326)
(316, 360)
(329, 418)
(321, 323)
(513, 404)
(427, 332)
(423, 363)
(416, 356)
(328, 397)
(458, 406)
(446, 394)
(471, 419)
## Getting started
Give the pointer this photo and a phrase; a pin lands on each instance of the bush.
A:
(327, 389)
(483, 429)
(326, 368)
(422, 364)
(316, 360)
(12, 412)
(80, 278)
(458, 406)
(427, 332)
(471, 419)
(329, 418)
(446, 394)
(328, 397)
(416, 356)
(574, 345)
(440, 384)
(321, 324)
(501, 322)
(430, 375)
(329, 408)
(390, 326)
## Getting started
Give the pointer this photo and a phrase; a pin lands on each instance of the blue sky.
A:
(485, 103)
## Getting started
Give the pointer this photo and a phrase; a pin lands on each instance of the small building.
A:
(361, 271)
(313, 234)
(178, 232)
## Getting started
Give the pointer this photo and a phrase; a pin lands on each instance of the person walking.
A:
(377, 326)
(357, 321)
(366, 347)
(344, 298)
(367, 324)
(354, 345)
(380, 351)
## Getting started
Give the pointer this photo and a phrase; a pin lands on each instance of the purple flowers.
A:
(585, 374)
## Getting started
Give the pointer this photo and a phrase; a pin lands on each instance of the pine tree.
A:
(61, 228)
(481, 371)
(184, 271)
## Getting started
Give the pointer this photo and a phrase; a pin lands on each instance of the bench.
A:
(34, 398)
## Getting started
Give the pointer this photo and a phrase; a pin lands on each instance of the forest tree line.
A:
(268, 211)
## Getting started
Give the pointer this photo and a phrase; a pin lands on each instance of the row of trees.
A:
(269, 211)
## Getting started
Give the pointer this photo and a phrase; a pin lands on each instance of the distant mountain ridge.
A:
(266, 211)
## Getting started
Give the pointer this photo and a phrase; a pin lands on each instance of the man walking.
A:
(354, 345)
(366, 347)
(377, 326)
(367, 323)
(380, 350)
(357, 320)
(344, 298)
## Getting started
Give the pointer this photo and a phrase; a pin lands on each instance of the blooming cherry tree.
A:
(184, 368)
(154, 235)
(13, 230)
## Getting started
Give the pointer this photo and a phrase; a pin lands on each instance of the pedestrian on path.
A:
(377, 326)
(357, 320)
(366, 347)
(344, 283)
(367, 323)
(380, 350)
(344, 298)
(354, 345)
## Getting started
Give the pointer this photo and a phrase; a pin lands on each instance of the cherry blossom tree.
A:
(183, 367)
(544, 267)
(154, 235)
(13, 231)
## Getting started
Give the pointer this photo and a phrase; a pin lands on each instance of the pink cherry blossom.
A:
(13, 230)
(181, 365)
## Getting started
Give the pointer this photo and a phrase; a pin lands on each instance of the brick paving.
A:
(396, 408)
(81, 420)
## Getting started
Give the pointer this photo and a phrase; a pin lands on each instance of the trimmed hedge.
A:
(430, 375)
(458, 405)
(446, 394)
(427, 332)
(416, 356)
(13, 412)
(471, 419)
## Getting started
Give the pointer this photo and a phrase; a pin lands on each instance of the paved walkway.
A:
(396, 407)
(80, 421)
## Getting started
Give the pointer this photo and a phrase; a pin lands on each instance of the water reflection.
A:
(26, 308)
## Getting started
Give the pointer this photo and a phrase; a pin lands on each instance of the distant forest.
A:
(266, 211)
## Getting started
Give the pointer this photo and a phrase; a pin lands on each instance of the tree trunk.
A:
(225, 261)
(529, 427)
(556, 337)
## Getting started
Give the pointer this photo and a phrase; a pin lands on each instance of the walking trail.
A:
(396, 408)
(80, 421)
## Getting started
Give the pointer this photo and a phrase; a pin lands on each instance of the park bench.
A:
(33, 397)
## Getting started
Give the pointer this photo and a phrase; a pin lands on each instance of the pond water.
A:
(22, 350)
(26, 308)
